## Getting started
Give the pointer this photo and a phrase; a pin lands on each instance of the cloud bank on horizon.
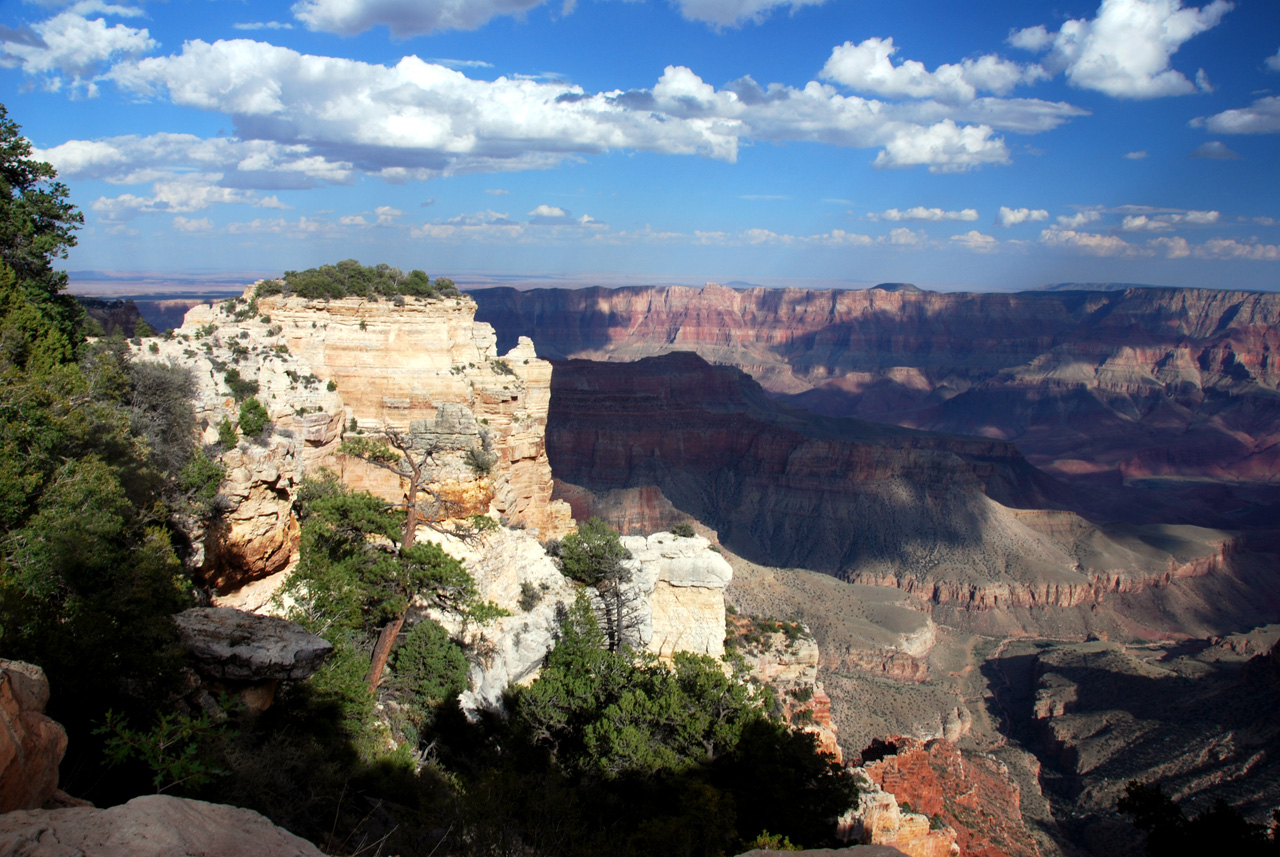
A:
(1131, 140)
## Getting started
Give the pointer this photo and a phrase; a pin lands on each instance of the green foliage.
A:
(37, 225)
(633, 733)
(530, 596)
(480, 460)
(347, 579)
(683, 530)
(483, 523)
(332, 386)
(161, 414)
(373, 450)
(592, 553)
(227, 434)
(171, 749)
(241, 388)
(142, 329)
(601, 712)
(428, 668)
(253, 417)
(349, 278)
(200, 480)
(770, 842)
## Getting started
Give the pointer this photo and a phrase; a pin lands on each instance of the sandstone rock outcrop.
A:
(879, 819)
(784, 656)
(1096, 386)
(325, 368)
(151, 826)
(874, 504)
(31, 744)
(247, 654)
(233, 645)
(853, 851)
(512, 570)
(679, 583)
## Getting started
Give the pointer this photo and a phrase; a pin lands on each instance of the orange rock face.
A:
(971, 794)
(31, 745)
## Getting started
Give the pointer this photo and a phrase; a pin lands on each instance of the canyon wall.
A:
(1097, 385)
(876, 504)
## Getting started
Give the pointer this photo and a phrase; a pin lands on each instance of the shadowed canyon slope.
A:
(1101, 386)
(933, 514)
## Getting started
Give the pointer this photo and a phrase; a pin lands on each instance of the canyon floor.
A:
(1167, 693)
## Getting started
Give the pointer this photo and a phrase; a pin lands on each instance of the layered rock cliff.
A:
(324, 369)
(874, 504)
(1122, 384)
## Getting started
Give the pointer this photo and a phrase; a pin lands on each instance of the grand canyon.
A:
(999, 555)
(996, 479)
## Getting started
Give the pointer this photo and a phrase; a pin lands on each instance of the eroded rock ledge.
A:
(327, 369)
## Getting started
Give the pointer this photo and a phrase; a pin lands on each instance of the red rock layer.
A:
(972, 794)
(1118, 385)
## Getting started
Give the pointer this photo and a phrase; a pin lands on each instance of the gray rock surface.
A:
(231, 645)
(151, 826)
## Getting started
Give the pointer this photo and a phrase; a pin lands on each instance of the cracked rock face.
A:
(230, 645)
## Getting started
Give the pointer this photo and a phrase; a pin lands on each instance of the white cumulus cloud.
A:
(945, 147)
(1126, 50)
(416, 120)
(922, 214)
(867, 67)
(976, 241)
(1261, 117)
(404, 18)
(72, 44)
(1007, 217)
(1091, 243)
(1080, 218)
(1169, 221)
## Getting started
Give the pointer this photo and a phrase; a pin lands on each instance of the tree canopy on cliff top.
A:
(349, 278)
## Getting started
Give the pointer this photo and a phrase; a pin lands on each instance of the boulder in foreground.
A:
(151, 826)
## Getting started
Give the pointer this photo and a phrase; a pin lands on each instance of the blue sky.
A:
(957, 145)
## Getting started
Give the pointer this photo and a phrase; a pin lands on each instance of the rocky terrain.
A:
(957, 521)
(1195, 715)
(968, 799)
(1173, 386)
(343, 369)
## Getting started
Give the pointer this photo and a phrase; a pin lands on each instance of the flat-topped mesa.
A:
(325, 370)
